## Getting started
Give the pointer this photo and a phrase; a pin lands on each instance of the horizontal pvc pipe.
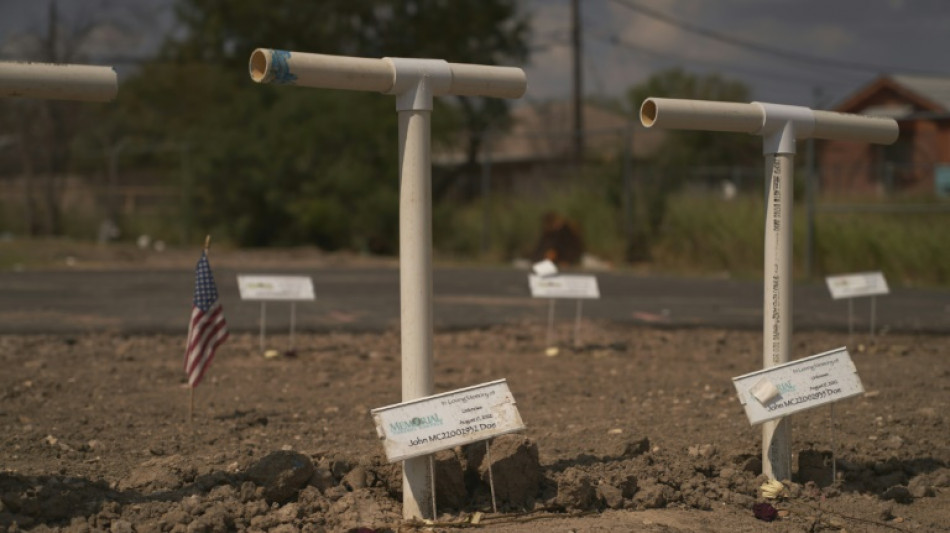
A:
(487, 80)
(841, 126)
(378, 75)
(58, 81)
(319, 70)
(672, 113)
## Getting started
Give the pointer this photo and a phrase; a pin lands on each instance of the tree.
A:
(292, 165)
(683, 149)
(47, 131)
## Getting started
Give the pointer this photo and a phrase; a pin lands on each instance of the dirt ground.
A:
(637, 430)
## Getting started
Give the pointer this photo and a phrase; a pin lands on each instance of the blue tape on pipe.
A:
(279, 68)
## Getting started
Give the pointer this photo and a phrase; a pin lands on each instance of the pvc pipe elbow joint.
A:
(782, 125)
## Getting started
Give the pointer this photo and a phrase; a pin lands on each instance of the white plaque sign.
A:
(446, 420)
(798, 385)
(861, 284)
(564, 286)
(275, 287)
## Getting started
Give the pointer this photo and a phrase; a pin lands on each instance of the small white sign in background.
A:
(544, 268)
(860, 284)
(254, 287)
(798, 385)
(443, 421)
(564, 286)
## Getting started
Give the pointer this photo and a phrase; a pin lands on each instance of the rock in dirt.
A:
(282, 474)
(749, 463)
(654, 496)
(611, 496)
(941, 478)
(322, 478)
(815, 466)
(899, 494)
(629, 448)
(921, 487)
(449, 481)
(356, 479)
(575, 490)
(357, 509)
(516, 470)
(160, 473)
(702, 450)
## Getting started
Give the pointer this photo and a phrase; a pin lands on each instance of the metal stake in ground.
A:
(834, 450)
(491, 476)
(779, 126)
(414, 82)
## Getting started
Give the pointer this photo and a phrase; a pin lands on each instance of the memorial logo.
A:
(419, 422)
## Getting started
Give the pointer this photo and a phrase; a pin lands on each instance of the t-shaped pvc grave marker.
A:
(414, 82)
(780, 126)
(58, 81)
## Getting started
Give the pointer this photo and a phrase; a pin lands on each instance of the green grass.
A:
(699, 235)
(706, 235)
(514, 225)
(911, 249)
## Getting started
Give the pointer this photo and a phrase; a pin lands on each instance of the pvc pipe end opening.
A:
(259, 65)
(648, 112)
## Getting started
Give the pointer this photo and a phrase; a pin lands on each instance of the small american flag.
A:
(207, 329)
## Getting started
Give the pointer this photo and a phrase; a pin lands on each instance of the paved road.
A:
(367, 299)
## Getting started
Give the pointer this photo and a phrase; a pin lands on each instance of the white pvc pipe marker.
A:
(780, 126)
(414, 82)
(57, 81)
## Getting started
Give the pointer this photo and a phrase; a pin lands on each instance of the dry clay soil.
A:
(638, 429)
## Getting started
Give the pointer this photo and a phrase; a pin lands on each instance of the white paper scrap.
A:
(545, 268)
(764, 391)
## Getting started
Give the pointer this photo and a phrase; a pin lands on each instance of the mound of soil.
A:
(640, 431)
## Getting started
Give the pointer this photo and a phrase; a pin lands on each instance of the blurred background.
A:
(191, 146)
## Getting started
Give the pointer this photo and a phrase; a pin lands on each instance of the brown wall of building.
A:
(845, 169)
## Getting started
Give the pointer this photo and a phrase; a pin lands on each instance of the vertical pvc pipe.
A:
(415, 287)
(491, 476)
(810, 177)
(834, 448)
(777, 305)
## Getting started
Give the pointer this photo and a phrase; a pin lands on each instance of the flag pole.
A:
(191, 404)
